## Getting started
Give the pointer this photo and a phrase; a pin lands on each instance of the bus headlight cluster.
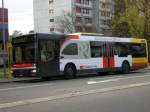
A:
(33, 71)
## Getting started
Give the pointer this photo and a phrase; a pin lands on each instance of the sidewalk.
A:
(3, 78)
(148, 68)
(6, 80)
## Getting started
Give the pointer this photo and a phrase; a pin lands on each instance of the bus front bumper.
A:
(28, 71)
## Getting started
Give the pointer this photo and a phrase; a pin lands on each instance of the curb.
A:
(9, 80)
(148, 68)
(2, 80)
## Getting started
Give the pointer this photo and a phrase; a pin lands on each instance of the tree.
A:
(135, 21)
(120, 26)
(144, 7)
(130, 15)
(16, 33)
(65, 22)
(135, 14)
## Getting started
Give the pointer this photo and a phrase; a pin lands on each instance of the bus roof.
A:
(85, 36)
(44, 35)
(29, 38)
(99, 37)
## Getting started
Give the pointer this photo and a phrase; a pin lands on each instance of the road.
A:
(104, 93)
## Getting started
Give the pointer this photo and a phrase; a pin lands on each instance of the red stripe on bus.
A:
(105, 62)
(111, 62)
(70, 38)
(82, 67)
(22, 65)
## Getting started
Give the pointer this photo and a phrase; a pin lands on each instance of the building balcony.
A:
(83, 15)
(89, 5)
(83, 5)
(84, 24)
(88, 24)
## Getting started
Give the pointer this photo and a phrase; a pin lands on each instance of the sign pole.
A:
(4, 41)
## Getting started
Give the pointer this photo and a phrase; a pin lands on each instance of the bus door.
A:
(48, 53)
(108, 55)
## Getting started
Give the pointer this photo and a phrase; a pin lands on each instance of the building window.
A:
(105, 22)
(51, 20)
(78, 9)
(106, 5)
(51, 1)
(51, 29)
(88, 29)
(78, 1)
(85, 11)
(88, 20)
(86, 2)
(71, 49)
(78, 19)
(51, 11)
(105, 13)
(78, 29)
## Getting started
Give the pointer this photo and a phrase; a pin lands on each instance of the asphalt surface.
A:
(128, 100)
(51, 96)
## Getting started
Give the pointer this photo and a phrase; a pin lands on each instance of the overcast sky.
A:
(20, 15)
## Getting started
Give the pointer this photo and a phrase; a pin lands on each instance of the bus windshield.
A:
(24, 54)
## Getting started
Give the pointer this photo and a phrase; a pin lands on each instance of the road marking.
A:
(24, 87)
(115, 76)
(69, 95)
(117, 79)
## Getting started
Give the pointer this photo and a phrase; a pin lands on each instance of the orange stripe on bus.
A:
(139, 64)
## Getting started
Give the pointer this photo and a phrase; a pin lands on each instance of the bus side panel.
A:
(85, 65)
(139, 53)
(83, 60)
(119, 60)
(139, 63)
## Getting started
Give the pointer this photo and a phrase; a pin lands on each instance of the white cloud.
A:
(20, 15)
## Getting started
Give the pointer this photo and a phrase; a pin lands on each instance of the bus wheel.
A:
(70, 71)
(125, 68)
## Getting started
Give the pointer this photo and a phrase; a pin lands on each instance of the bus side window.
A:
(96, 49)
(138, 50)
(71, 49)
(47, 51)
(121, 49)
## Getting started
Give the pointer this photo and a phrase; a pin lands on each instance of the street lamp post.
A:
(4, 42)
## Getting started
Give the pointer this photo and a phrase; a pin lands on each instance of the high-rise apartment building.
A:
(3, 26)
(85, 15)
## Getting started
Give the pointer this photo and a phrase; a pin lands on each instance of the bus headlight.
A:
(33, 71)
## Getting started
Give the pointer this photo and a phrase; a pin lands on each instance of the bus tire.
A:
(70, 71)
(125, 67)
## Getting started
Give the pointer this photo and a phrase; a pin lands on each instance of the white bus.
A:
(81, 53)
